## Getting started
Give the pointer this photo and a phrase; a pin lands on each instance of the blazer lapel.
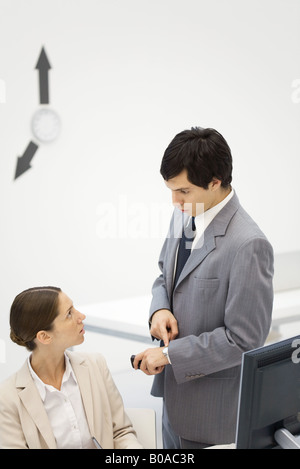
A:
(84, 382)
(207, 242)
(32, 402)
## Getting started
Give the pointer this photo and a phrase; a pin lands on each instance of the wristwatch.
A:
(165, 351)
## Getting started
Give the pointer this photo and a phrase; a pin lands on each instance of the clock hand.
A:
(43, 66)
(23, 163)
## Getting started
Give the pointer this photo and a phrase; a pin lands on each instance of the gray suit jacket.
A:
(223, 304)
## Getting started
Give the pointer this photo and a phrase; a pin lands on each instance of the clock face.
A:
(45, 125)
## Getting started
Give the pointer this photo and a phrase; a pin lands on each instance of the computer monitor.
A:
(269, 400)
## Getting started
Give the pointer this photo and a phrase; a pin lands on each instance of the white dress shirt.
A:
(65, 410)
(204, 219)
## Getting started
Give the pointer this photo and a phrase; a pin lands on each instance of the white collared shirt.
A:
(204, 219)
(65, 410)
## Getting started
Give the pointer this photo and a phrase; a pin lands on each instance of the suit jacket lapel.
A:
(207, 242)
(84, 382)
(32, 402)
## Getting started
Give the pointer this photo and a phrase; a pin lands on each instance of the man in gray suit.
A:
(213, 300)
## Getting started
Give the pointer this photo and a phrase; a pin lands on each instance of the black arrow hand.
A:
(43, 66)
(23, 163)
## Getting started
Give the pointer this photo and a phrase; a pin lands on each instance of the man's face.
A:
(192, 199)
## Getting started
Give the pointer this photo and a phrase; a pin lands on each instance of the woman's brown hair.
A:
(32, 311)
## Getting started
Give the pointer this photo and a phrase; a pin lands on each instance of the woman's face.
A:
(68, 328)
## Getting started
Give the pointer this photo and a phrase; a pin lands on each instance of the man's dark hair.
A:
(204, 153)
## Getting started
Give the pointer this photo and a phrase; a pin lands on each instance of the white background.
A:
(127, 75)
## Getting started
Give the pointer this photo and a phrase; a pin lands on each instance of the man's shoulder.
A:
(245, 226)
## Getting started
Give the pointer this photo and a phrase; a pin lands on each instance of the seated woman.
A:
(59, 399)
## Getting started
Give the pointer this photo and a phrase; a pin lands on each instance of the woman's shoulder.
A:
(90, 359)
(8, 382)
(18, 380)
(8, 389)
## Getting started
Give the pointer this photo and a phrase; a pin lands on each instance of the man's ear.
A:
(43, 337)
(214, 184)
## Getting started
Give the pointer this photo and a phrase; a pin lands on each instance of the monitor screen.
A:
(269, 400)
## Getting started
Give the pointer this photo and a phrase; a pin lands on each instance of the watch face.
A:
(45, 125)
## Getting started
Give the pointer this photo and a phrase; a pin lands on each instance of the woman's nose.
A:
(81, 317)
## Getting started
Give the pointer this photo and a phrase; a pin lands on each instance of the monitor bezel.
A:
(253, 361)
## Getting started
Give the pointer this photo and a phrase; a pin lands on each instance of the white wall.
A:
(126, 76)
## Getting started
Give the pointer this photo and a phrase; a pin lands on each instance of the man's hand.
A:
(152, 361)
(164, 326)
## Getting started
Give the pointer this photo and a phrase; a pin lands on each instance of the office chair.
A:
(144, 423)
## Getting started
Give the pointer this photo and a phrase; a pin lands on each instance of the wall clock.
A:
(45, 124)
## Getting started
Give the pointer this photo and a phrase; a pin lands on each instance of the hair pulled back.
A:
(33, 310)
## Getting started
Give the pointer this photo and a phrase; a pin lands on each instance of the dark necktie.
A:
(184, 249)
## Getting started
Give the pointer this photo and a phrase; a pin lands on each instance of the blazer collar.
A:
(222, 219)
(207, 243)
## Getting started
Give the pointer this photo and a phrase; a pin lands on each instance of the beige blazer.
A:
(25, 424)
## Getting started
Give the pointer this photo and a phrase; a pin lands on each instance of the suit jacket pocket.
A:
(206, 304)
(207, 282)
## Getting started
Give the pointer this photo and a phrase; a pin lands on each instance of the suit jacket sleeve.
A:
(160, 299)
(247, 317)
